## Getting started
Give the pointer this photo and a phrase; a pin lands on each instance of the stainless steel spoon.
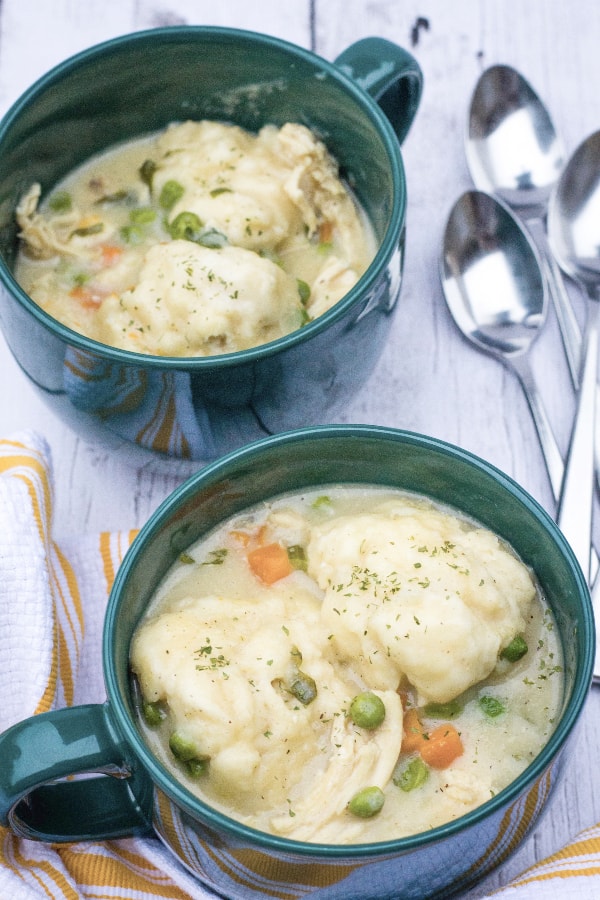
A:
(574, 234)
(495, 291)
(514, 152)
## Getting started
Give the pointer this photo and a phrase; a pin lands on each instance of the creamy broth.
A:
(249, 660)
(200, 240)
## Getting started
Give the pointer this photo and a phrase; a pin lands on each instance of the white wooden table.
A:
(429, 379)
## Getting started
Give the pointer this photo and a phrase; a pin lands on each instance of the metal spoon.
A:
(514, 152)
(574, 234)
(496, 294)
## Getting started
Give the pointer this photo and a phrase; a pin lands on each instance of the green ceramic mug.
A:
(198, 408)
(239, 862)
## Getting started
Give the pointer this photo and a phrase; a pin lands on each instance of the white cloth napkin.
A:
(52, 602)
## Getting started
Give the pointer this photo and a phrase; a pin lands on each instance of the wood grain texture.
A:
(428, 379)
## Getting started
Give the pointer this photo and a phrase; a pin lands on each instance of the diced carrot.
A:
(325, 232)
(243, 537)
(442, 748)
(85, 297)
(110, 254)
(270, 562)
(414, 735)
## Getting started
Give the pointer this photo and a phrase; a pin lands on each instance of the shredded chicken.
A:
(44, 237)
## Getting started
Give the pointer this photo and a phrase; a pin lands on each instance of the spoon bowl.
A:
(491, 276)
(514, 152)
(512, 146)
(496, 293)
(574, 215)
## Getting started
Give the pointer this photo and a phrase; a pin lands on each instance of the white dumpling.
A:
(413, 592)
(231, 179)
(194, 301)
(223, 665)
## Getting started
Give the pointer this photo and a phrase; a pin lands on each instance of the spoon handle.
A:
(576, 499)
(551, 452)
(567, 320)
(552, 455)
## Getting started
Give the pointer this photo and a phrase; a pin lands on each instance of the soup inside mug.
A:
(198, 408)
(230, 857)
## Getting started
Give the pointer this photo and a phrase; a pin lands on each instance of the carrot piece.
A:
(243, 537)
(110, 254)
(442, 748)
(325, 232)
(404, 698)
(414, 736)
(85, 297)
(270, 562)
(260, 534)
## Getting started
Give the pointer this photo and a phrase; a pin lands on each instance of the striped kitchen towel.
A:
(52, 601)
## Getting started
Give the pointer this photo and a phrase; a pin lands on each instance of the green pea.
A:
(303, 688)
(170, 193)
(196, 768)
(212, 239)
(153, 713)
(132, 234)
(297, 556)
(367, 802)
(142, 215)
(491, 706)
(367, 710)
(515, 650)
(413, 776)
(270, 255)
(186, 226)
(303, 290)
(146, 171)
(186, 559)
(216, 557)
(87, 230)
(120, 196)
(182, 747)
(443, 710)
(60, 202)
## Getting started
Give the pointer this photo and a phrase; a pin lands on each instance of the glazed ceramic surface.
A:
(199, 408)
(233, 859)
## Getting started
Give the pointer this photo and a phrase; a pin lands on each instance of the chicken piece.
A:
(357, 758)
(316, 189)
(59, 234)
(43, 237)
(334, 280)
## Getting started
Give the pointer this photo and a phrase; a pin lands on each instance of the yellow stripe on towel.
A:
(119, 869)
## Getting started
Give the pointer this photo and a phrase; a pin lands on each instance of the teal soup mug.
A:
(133, 792)
(197, 408)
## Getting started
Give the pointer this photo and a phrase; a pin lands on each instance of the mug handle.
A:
(40, 751)
(390, 75)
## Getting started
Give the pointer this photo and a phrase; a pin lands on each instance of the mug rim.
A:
(366, 282)
(164, 781)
